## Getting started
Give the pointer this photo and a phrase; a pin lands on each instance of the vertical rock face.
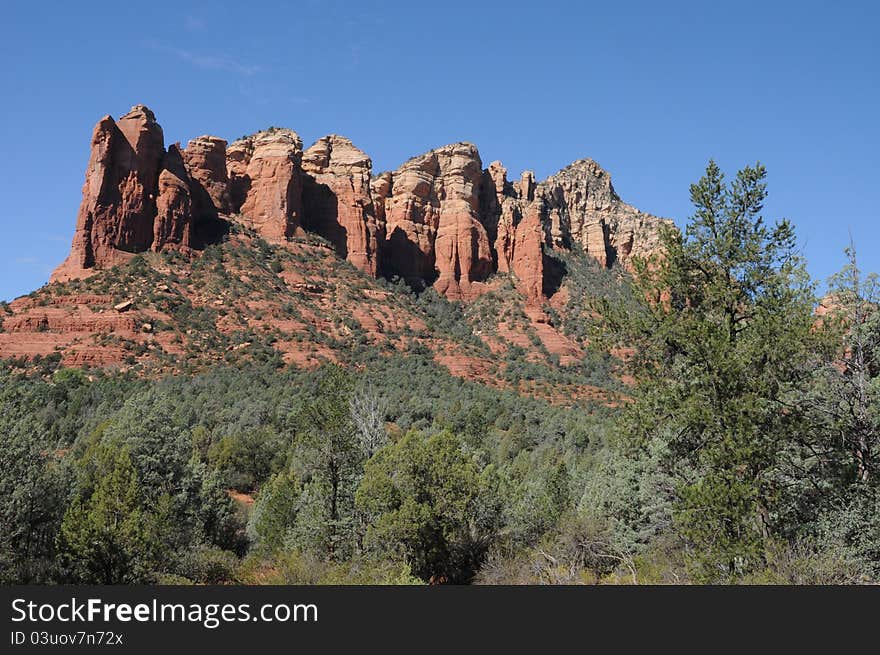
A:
(380, 189)
(433, 222)
(577, 205)
(497, 214)
(266, 182)
(238, 156)
(525, 190)
(119, 195)
(205, 159)
(411, 219)
(174, 217)
(462, 251)
(138, 197)
(138, 184)
(585, 209)
(337, 201)
(450, 224)
(527, 259)
(518, 228)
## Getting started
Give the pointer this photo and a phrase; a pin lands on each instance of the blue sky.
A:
(649, 90)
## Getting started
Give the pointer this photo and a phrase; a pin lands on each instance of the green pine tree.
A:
(103, 537)
(722, 330)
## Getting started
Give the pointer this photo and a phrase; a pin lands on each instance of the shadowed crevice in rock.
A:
(406, 260)
(555, 271)
(321, 214)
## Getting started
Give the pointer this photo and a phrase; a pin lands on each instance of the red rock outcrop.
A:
(463, 254)
(173, 225)
(527, 260)
(238, 156)
(498, 214)
(583, 208)
(517, 222)
(119, 195)
(137, 192)
(266, 182)
(578, 205)
(205, 159)
(380, 189)
(433, 222)
(337, 202)
(439, 219)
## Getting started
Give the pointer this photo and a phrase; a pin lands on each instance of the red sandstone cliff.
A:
(119, 195)
(337, 202)
(440, 219)
(138, 197)
(266, 176)
(432, 221)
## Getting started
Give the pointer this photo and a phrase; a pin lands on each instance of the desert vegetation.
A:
(742, 448)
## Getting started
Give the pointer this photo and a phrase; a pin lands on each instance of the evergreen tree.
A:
(721, 325)
(430, 504)
(275, 511)
(327, 458)
(104, 537)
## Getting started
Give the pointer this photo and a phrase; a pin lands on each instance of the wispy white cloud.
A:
(218, 62)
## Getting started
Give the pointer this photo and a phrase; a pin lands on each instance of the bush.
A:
(208, 565)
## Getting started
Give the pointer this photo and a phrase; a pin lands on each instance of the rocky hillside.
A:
(183, 256)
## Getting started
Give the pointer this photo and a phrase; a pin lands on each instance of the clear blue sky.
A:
(650, 90)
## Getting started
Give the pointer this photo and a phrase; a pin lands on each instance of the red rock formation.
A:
(525, 190)
(205, 159)
(116, 215)
(336, 200)
(433, 222)
(411, 220)
(584, 208)
(173, 225)
(462, 251)
(138, 190)
(498, 214)
(380, 189)
(519, 229)
(527, 261)
(439, 219)
(265, 178)
(238, 156)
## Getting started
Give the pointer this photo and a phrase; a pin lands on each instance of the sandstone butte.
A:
(440, 219)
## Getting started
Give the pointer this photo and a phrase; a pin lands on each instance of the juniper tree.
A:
(430, 504)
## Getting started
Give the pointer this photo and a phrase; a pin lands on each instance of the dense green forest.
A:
(747, 451)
